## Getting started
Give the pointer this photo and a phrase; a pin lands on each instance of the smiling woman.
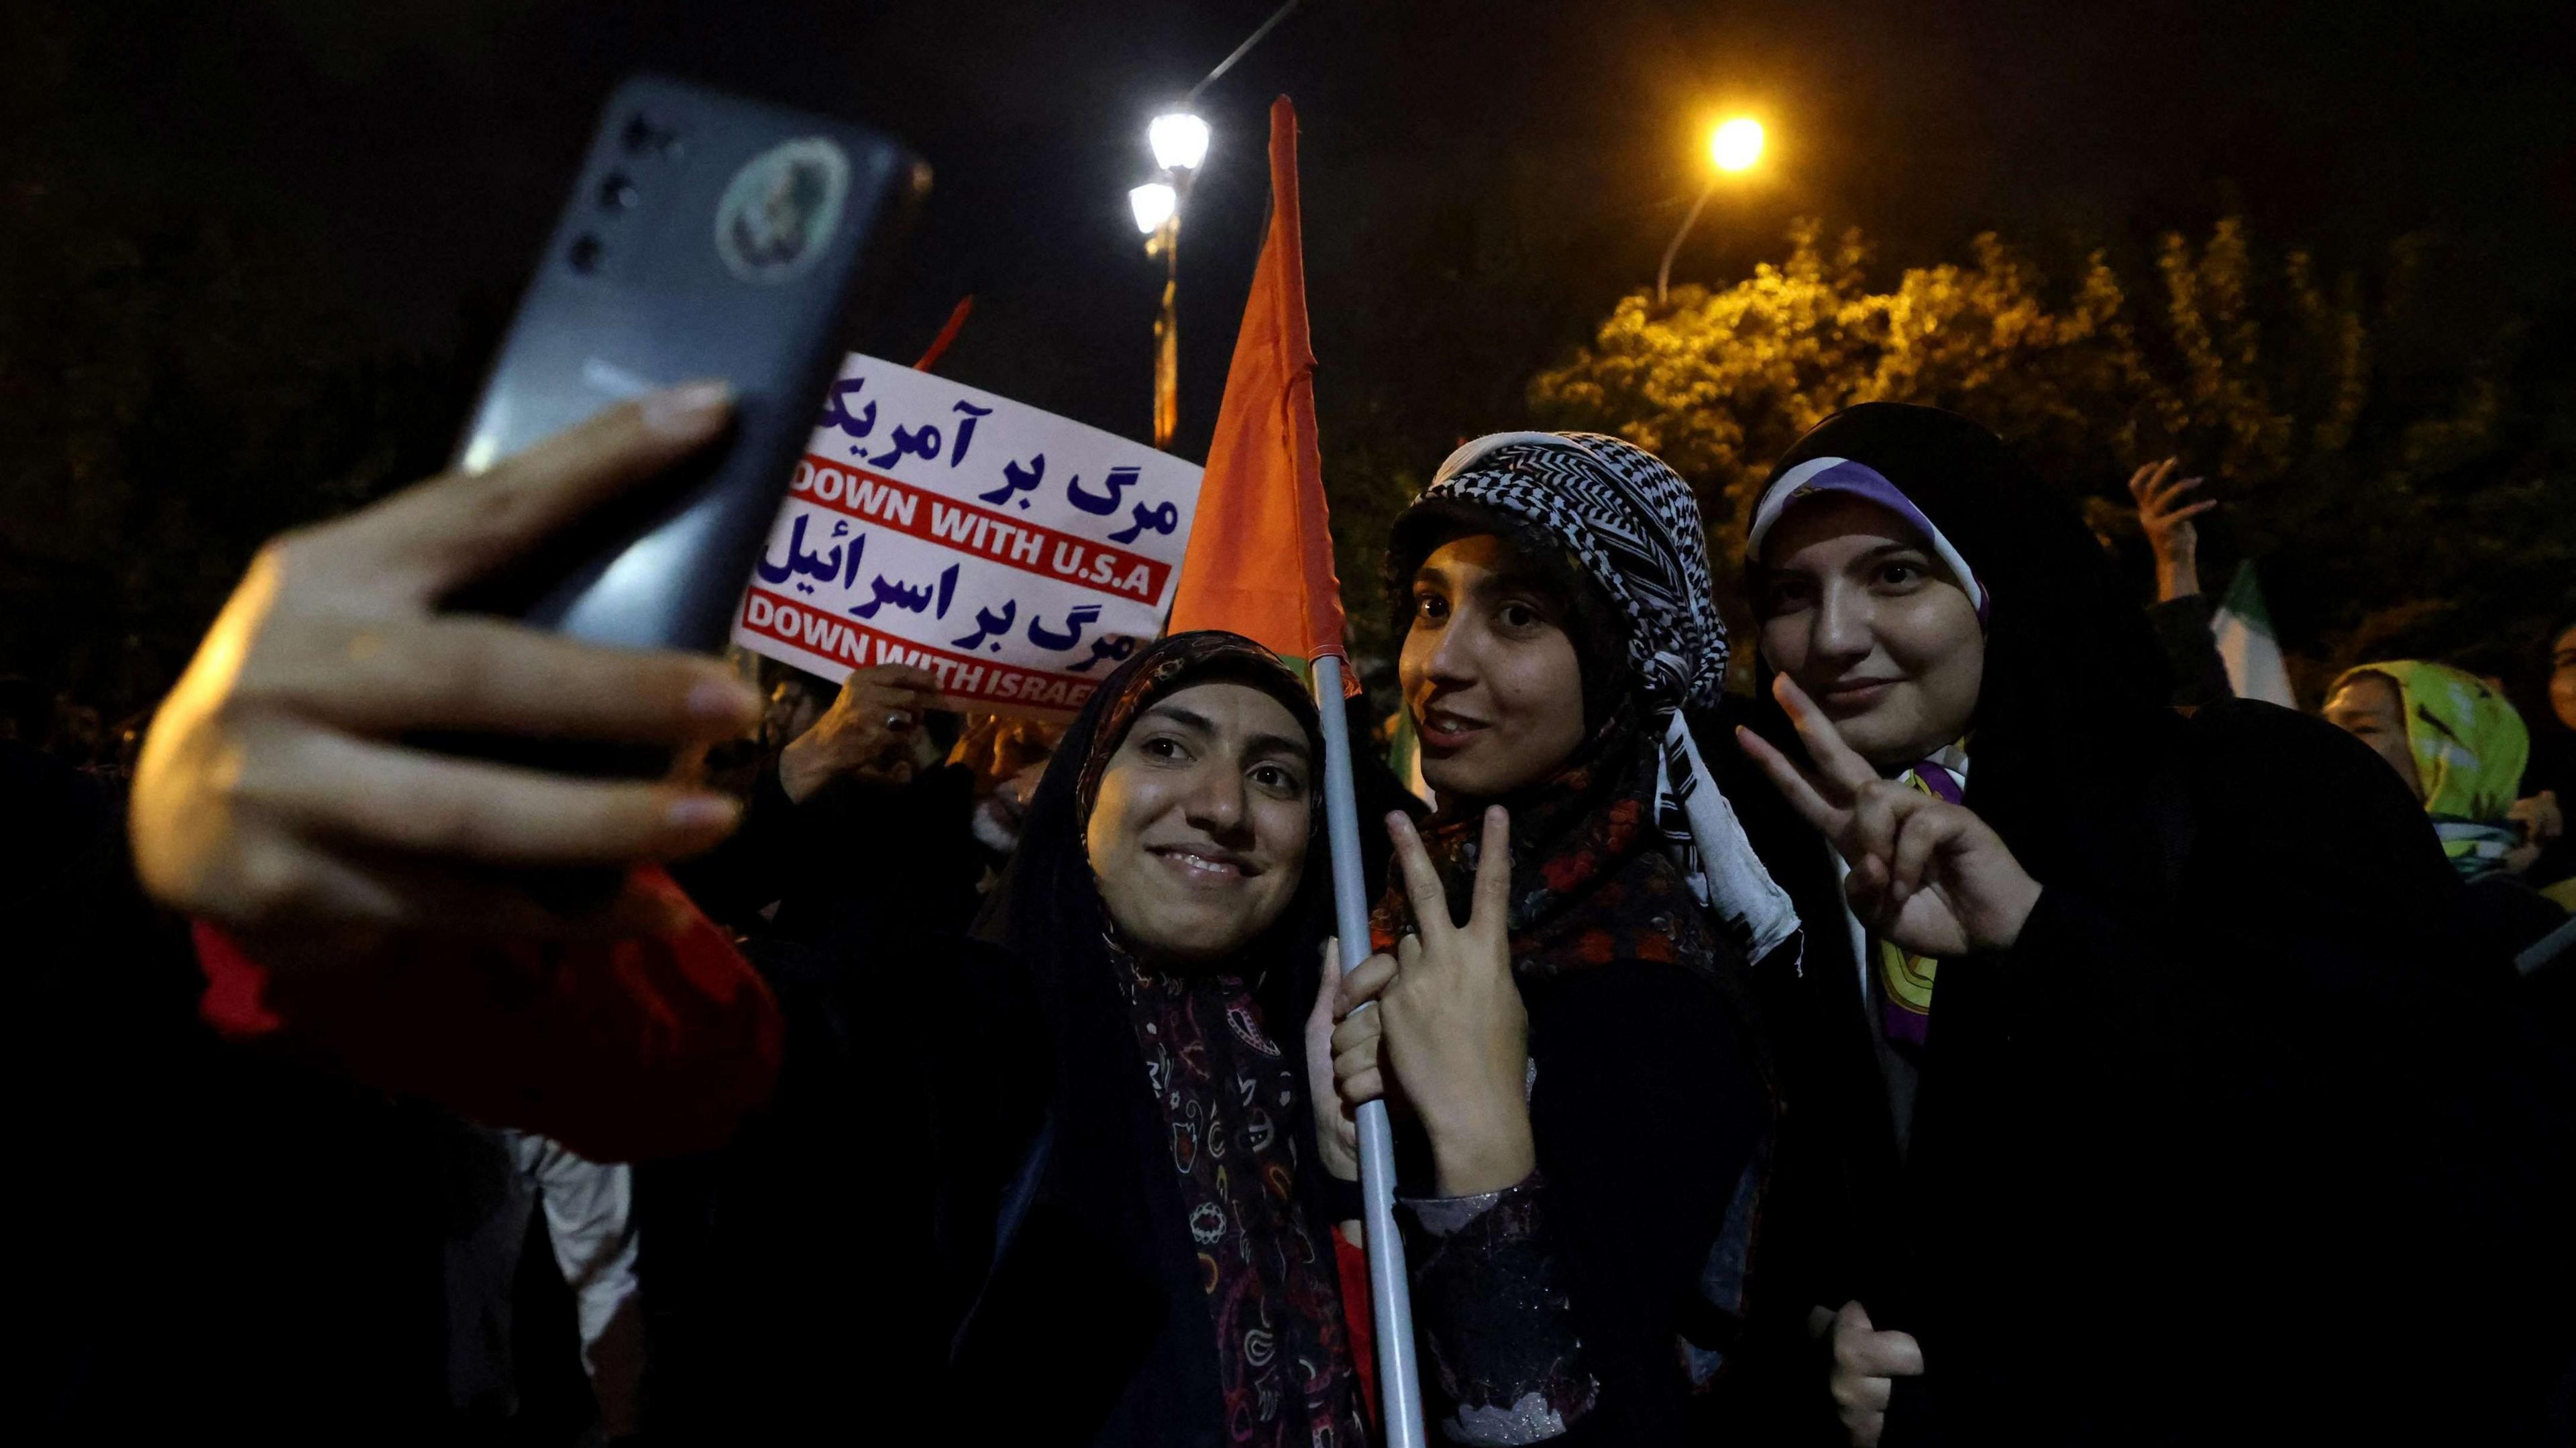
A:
(1593, 1117)
(2112, 1015)
(1199, 822)
(1107, 1210)
(1881, 633)
(1164, 908)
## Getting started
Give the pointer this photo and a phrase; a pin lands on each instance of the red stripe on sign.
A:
(878, 499)
(962, 677)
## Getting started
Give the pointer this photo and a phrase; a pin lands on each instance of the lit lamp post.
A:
(1180, 142)
(1732, 147)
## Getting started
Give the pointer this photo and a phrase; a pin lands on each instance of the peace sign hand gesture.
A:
(1448, 1020)
(1925, 873)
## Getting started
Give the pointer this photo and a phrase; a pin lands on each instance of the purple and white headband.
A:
(1842, 475)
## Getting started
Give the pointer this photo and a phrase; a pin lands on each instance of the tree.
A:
(2375, 447)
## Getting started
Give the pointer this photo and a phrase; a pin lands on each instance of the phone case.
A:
(706, 236)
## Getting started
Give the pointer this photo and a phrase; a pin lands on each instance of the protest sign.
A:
(1016, 555)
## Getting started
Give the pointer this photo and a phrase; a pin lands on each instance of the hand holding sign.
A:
(863, 734)
(1926, 874)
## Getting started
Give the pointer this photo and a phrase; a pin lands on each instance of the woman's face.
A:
(2369, 708)
(1199, 834)
(2562, 678)
(1855, 608)
(1489, 673)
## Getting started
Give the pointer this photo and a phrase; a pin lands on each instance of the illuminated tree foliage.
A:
(2361, 430)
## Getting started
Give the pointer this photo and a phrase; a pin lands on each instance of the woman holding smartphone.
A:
(1068, 1188)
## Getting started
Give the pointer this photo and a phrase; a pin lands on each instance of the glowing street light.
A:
(1732, 148)
(1180, 144)
(1737, 144)
(1179, 139)
(1154, 203)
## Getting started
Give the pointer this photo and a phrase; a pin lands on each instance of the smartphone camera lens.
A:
(587, 252)
(616, 193)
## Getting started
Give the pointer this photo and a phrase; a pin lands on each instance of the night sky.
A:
(1480, 179)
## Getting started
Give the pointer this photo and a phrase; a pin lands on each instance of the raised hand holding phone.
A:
(1926, 874)
(375, 730)
(275, 796)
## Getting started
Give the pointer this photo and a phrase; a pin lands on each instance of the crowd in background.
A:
(939, 1086)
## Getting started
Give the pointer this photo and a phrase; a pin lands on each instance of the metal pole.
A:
(1390, 1295)
(1664, 273)
(1167, 337)
(2539, 953)
(1240, 52)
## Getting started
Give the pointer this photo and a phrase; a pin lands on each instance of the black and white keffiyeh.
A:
(1635, 527)
(1632, 523)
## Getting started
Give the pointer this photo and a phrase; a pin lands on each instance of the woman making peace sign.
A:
(2169, 1097)
(1595, 1119)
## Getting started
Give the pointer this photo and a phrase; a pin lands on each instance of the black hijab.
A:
(2319, 1075)
(1057, 920)
(1105, 1188)
(2073, 701)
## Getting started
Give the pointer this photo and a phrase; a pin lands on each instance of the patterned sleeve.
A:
(1491, 1309)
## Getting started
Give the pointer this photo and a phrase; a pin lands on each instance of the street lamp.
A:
(1732, 147)
(1179, 139)
(1154, 203)
(1180, 143)
(1736, 145)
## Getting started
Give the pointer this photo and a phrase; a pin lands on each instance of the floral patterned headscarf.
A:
(1215, 1065)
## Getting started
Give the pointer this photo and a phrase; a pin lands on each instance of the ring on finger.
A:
(898, 721)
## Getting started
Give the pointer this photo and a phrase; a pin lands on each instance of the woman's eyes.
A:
(1784, 596)
(1510, 616)
(1899, 573)
(1279, 781)
(1274, 778)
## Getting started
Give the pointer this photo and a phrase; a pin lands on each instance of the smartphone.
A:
(707, 235)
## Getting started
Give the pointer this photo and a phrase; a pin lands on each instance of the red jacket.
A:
(637, 1048)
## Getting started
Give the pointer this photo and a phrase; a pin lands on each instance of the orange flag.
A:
(1260, 560)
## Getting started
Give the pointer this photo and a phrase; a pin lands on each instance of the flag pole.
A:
(1390, 1297)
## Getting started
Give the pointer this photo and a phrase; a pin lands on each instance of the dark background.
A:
(257, 252)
